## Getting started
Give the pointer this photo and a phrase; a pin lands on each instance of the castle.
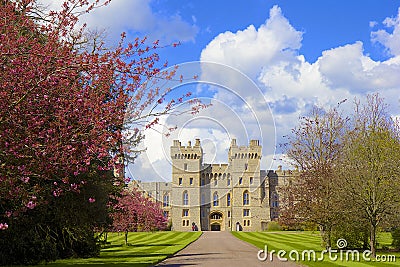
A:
(235, 196)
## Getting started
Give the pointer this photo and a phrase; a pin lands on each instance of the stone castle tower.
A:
(218, 196)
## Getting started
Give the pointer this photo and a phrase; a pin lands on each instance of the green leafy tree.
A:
(370, 165)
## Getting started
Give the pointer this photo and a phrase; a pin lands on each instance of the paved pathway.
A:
(220, 249)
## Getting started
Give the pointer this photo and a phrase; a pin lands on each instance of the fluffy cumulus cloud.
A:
(390, 40)
(136, 17)
(270, 55)
(251, 49)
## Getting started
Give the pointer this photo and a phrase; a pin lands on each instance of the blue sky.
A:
(297, 54)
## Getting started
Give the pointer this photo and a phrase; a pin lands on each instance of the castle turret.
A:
(186, 168)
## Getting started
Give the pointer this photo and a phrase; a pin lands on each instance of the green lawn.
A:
(301, 241)
(144, 249)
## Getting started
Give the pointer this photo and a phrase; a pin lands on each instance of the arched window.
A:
(215, 199)
(246, 198)
(228, 199)
(185, 198)
(166, 200)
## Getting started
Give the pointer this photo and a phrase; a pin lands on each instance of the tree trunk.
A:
(326, 236)
(126, 238)
(372, 241)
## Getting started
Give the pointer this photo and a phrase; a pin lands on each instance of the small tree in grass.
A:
(134, 212)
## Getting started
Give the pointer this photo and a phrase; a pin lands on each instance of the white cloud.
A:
(251, 49)
(292, 85)
(136, 17)
(347, 67)
(391, 41)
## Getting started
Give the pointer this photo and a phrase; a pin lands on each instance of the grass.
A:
(301, 241)
(144, 249)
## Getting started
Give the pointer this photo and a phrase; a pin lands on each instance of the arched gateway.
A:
(216, 221)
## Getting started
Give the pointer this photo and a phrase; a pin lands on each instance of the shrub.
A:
(396, 238)
(273, 226)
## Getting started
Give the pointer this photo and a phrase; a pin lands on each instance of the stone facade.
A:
(226, 197)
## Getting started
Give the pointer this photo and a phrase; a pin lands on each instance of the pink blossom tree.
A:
(63, 108)
(135, 212)
(64, 99)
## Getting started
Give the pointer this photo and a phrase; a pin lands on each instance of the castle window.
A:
(246, 212)
(166, 214)
(202, 181)
(244, 222)
(228, 199)
(180, 181)
(246, 198)
(215, 198)
(166, 200)
(248, 222)
(240, 180)
(185, 198)
(191, 181)
(185, 166)
(215, 182)
(229, 213)
(246, 166)
(228, 182)
(185, 212)
(216, 216)
(251, 180)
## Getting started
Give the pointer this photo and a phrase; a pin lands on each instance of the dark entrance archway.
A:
(216, 221)
(215, 227)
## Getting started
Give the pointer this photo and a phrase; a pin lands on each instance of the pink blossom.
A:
(57, 192)
(3, 226)
(8, 214)
(25, 179)
(31, 205)
(91, 199)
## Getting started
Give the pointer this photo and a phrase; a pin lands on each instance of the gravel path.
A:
(220, 249)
